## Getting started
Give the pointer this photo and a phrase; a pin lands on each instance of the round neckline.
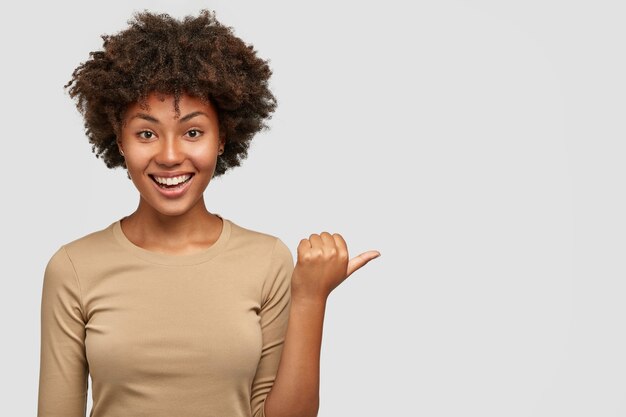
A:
(171, 259)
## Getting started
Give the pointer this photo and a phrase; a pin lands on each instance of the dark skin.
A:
(197, 55)
(183, 225)
(171, 225)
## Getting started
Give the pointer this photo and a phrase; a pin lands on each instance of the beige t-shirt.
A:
(196, 335)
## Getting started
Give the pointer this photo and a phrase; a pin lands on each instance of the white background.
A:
(477, 145)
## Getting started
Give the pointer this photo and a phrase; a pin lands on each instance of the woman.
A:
(174, 310)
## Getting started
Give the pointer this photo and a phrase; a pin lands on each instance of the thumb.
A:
(360, 260)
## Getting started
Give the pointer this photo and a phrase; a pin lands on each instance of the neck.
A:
(152, 228)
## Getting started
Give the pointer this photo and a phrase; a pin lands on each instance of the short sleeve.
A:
(63, 369)
(274, 319)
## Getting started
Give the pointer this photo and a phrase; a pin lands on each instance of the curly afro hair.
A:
(157, 53)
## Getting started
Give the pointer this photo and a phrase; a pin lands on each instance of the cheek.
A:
(136, 162)
(203, 160)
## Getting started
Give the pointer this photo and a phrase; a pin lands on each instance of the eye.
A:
(195, 132)
(150, 134)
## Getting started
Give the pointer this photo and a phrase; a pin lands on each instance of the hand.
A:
(322, 265)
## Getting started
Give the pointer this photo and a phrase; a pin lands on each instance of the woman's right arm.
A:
(63, 368)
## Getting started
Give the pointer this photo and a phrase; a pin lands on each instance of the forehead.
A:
(164, 105)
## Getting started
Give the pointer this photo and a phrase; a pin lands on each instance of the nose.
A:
(170, 151)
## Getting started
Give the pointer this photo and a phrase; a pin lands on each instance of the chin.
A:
(171, 210)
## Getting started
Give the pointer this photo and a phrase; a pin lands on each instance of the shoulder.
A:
(88, 245)
(59, 265)
(267, 248)
(254, 239)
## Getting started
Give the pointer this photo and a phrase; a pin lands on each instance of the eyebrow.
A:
(182, 119)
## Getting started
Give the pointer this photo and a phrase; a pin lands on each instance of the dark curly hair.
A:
(157, 53)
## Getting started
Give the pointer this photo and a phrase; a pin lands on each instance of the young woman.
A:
(174, 310)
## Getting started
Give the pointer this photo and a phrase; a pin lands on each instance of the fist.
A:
(323, 263)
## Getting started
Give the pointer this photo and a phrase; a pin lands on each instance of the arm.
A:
(323, 263)
(296, 388)
(286, 383)
(63, 370)
(274, 315)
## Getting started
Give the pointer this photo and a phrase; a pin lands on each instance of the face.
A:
(157, 146)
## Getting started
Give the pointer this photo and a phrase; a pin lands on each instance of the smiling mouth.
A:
(179, 185)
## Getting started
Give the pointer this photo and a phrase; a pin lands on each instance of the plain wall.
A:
(478, 146)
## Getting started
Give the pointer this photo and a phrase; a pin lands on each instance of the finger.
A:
(304, 245)
(328, 241)
(360, 260)
(316, 241)
(340, 243)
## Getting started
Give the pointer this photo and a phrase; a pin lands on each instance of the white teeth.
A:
(172, 180)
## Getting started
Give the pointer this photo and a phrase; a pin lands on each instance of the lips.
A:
(170, 176)
(173, 191)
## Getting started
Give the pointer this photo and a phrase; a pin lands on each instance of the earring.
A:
(121, 153)
(221, 151)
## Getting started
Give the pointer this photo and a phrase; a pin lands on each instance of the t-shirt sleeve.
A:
(274, 319)
(63, 369)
